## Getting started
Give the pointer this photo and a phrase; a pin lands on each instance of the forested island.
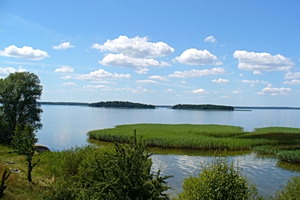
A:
(121, 104)
(203, 107)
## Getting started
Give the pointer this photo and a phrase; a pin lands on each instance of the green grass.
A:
(266, 141)
(182, 136)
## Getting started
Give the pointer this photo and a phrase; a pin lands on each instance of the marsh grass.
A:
(265, 141)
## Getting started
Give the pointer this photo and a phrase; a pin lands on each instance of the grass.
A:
(267, 141)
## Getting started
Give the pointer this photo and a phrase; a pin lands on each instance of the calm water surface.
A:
(66, 126)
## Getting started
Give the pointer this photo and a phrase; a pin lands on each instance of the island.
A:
(121, 104)
(203, 107)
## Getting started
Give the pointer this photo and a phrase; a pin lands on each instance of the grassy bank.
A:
(271, 140)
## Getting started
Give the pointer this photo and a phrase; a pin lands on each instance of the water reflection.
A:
(263, 172)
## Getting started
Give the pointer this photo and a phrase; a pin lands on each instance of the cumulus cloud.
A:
(4, 71)
(64, 69)
(292, 75)
(25, 52)
(63, 45)
(199, 91)
(121, 60)
(138, 47)
(210, 39)
(141, 70)
(220, 81)
(160, 78)
(197, 73)
(262, 62)
(254, 82)
(292, 82)
(69, 84)
(147, 81)
(99, 75)
(94, 87)
(275, 91)
(197, 57)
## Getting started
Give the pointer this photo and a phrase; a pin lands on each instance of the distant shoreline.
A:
(236, 108)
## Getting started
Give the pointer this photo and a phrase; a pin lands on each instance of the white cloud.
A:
(121, 60)
(275, 91)
(25, 52)
(64, 45)
(254, 82)
(210, 39)
(160, 78)
(141, 70)
(292, 82)
(220, 81)
(137, 90)
(69, 84)
(99, 75)
(236, 92)
(169, 90)
(94, 87)
(138, 47)
(292, 75)
(4, 71)
(64, 69)
(147, 81)
(199, 91)
(262, 62)
(197, 73)
(197, 57)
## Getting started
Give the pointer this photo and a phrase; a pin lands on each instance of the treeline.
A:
(64, 103)
(202, 107)
(121, 104)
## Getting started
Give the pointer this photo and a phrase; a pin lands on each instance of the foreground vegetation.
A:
(121, 172)
(284, 143)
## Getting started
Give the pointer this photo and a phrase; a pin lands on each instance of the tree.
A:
(23, 141)
(19, 93)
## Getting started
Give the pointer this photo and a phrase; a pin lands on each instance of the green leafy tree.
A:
(19, 93)
(218, 181)
(23, 142)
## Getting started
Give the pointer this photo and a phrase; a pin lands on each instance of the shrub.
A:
(291, 191)
(218, 181)
(120, 173)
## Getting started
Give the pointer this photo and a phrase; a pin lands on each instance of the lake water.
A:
(67, 126)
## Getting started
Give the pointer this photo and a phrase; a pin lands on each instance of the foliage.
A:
(23, 141)
(268, 140)
(218, 180)
(19, 93)
(181, 136)
(120, 104)
(121, 173)
(202, 107)
(291, 191)
(4, 177)
(289, 156)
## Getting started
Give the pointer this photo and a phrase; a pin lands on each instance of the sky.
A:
(242, 53)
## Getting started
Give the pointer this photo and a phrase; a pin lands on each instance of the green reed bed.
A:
(291, 156)
(182, 136)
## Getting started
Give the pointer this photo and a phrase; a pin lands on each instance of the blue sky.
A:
(157, 52)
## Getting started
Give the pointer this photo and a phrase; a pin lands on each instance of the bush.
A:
(218, 181)
(120, 173)
(291, 191)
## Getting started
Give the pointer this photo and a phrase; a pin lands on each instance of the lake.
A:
(67, 126)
